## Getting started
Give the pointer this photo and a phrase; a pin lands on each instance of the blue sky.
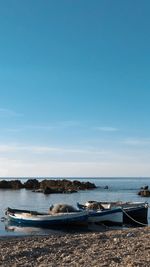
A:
(74, 88)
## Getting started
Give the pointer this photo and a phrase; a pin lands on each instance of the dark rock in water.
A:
(13, 184)
(83, 185)
(48, 186)
(106, 187)
(32, 184)
(64, 186)
(77, 184)
(5, 184)
(16, 184)
(88, 185)
(144, 193)
(49, 190)
(144, 187)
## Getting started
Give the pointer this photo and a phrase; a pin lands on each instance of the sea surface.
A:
(119, 189)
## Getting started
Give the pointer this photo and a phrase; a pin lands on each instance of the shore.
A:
(129, 247)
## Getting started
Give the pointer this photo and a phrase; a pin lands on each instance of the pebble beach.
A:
(128, 247)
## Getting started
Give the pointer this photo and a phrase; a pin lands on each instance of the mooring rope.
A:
(144, 224)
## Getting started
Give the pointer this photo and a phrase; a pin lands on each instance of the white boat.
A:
(134, 213)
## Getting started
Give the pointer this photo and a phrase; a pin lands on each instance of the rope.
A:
(132, 218)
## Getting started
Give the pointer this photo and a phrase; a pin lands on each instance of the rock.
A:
(144, 193)
(16, 184)
(3, 219)
(144, 187)
(84, 185)
(48, 186)
(13, 184)
(130, 235)
(49, 190)
(106, 187)
(32, 184)
(64, 186)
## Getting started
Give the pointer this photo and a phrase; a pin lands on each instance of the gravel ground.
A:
(129, 247)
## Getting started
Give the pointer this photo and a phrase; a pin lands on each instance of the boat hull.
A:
(134, 213)
(108, 217)
(136, 216)
(25, 218)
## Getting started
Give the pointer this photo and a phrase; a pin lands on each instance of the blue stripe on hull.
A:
(109, 217)
(49, 223)
(104, 212)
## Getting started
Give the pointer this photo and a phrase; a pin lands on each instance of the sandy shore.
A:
(110, 248)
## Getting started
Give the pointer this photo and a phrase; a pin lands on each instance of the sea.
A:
(118, 189)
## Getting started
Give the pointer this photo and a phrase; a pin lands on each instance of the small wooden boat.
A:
(134, 213)
(34, 218)
(101, 215)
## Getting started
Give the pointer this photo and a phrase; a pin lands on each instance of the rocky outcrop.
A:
(64, 186)
(106, 187)
(49, 190)
(83, 185)
(48, 186)
(32, 184)
(144, 192)
(13, 184)
(16, 184)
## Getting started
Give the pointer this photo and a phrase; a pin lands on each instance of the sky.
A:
(74, 88)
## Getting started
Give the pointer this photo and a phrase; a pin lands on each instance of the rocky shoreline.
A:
(122, 248)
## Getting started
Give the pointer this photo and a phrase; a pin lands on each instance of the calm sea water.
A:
(119, 189)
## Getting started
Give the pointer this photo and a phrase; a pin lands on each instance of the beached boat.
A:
(134, 213)
(34, 218)
(101, 215)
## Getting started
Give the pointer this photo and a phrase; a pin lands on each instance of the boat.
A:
(101, 215)
(34, 218)
(134, 213)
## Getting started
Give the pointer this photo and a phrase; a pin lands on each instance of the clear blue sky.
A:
(74, 88)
